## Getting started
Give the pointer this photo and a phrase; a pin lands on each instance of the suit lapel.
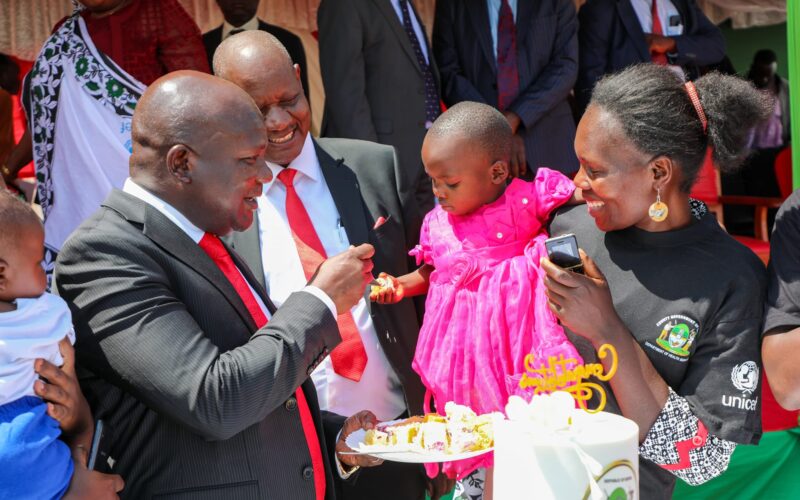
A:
(252, 279)
(175, 242)
(385, 6)
(343, 185)
(248, 244)
(634, 28)
(480, 20)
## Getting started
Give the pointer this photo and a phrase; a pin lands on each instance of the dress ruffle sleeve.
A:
(551, 189)
(423, 252)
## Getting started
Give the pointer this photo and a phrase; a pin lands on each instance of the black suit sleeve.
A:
(341, 60)
(139, 334)
(595, 21)
(552, 86)
(455, 86)
(704, 45)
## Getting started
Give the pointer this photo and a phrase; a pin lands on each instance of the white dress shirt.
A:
(671, 22)
(379, 389)
(423, 41)
(252, 24)
(196, 234)
(494, 15)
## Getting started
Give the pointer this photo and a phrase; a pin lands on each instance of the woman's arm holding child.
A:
(408, 285)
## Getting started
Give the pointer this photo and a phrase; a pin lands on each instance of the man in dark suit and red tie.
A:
(381, 84)
(615, 34)
(520, 56)
(204, 383)
(328, 194)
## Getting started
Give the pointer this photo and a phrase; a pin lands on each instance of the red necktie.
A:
(657, 57)
(214, 248)
(348, 358)
(507, 74)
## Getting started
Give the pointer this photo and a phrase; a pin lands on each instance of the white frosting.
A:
(548, 449)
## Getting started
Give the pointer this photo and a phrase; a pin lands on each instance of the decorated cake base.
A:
(550, 450)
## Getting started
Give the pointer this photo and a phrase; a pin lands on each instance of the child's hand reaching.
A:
(390, 291)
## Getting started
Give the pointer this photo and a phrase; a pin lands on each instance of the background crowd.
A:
(90, 104)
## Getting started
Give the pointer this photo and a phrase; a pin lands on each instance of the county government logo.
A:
(745, 378)
(676, 336)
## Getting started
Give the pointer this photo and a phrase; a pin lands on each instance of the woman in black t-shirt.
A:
(678, 298)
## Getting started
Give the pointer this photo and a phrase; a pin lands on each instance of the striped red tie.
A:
(216, 250)
(657, 57)
(507, 72)
(348, 358)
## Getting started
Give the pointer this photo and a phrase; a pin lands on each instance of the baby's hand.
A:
(390, 291)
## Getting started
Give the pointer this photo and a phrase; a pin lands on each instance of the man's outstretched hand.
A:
(344, 277)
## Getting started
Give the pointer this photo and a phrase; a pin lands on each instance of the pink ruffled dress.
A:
(486, 307)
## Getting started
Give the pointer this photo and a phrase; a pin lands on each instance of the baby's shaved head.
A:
(481, 125)
(16, 217)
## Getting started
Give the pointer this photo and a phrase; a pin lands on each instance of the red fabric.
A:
(657, 57)
(149, 38)
(348, 358)
(705, 187)
(507, 73)
(783, 171)
(216, 250)
(773, 416)
(20, 123)
(687, 445)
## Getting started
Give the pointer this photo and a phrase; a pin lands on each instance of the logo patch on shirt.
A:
(745, 378)
(676, 337)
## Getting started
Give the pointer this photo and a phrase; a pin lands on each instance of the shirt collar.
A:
(252, 24)
(170, 212)
(306, 164)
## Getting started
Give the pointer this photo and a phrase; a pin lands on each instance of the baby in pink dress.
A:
(479, 253)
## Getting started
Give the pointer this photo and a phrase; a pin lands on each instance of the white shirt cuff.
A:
(318, 293)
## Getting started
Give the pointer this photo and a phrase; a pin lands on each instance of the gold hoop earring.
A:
(658, 210)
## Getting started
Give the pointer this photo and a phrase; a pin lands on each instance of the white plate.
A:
(356, 442)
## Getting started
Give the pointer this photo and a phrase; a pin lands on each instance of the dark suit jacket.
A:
(201, 401)
(547, 63)
(611, 39)
(292, 42)
(374, 87)
(362, 179)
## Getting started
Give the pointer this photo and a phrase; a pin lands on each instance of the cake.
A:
(548, 449)
(459, 430)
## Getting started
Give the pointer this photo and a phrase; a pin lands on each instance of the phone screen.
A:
(563, 251)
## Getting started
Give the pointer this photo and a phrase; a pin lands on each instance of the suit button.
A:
(421, 91)
(291, 404)
(308, 473)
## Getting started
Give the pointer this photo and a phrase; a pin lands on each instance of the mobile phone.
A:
(563, 252)
(99, 458)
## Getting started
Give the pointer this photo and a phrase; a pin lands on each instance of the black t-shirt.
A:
(693, 299)
(783, 294)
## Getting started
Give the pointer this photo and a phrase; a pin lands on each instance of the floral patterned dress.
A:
(486, 307)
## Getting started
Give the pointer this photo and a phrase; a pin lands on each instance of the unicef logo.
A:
(745, 377)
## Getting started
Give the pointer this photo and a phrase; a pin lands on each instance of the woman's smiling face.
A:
(614, 175)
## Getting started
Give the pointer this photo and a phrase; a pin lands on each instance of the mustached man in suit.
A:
(520, 56)
(615, 34)
(325, 195)
(240, 15)
(381, 84)
(205, 384)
